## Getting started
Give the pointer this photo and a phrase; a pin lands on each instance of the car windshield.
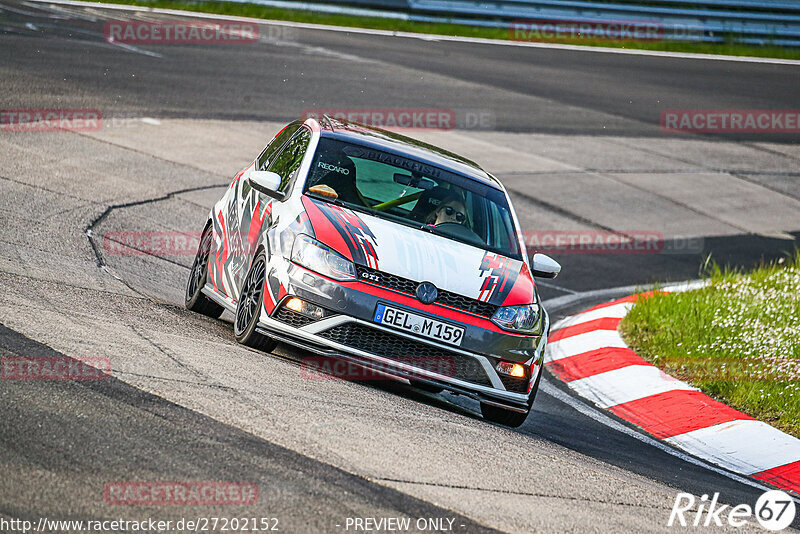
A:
(414, 193)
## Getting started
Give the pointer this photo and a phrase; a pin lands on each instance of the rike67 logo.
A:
(774, 510)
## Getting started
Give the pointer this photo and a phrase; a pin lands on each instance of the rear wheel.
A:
(249, 308)
(195, 300)
(505, 417)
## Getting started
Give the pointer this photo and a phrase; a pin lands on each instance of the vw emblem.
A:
(427, 293)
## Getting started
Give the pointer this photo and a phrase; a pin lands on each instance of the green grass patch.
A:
(463, 30)
(737, 339)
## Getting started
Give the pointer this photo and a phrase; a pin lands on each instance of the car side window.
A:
(267, 155)
(287, 163)
(498, 222)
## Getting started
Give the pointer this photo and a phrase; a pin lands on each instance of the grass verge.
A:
(294, 15)
(738, 339)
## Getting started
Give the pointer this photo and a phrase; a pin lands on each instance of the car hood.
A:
(421, 256)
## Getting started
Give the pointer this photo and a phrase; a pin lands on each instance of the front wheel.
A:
(249, 308)
(195, 300)
(504, 417)
(501, 416)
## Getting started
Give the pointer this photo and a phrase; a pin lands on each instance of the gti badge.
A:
(372, 277)
(427, 293)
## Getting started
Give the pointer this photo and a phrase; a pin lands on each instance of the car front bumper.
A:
(352, 306)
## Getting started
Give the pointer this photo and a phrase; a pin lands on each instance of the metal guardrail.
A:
(678, 23)
(760, 22)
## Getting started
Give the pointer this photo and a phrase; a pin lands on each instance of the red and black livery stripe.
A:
(345, 228)
(505, 281)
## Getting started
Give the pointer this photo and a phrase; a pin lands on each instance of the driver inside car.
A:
(454, 212)
(450, 210)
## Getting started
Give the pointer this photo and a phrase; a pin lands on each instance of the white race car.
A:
(364, 245)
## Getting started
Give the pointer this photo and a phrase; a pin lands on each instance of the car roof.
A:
(343, 130)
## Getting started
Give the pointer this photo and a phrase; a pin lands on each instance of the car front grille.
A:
(408, 351)
(445, 298)
(477, 307)
(398, 283)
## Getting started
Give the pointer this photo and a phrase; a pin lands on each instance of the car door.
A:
(234, 219)
(255, 209)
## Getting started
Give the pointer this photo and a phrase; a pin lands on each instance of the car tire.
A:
(195, 300)
(248, 309)
(509, 418)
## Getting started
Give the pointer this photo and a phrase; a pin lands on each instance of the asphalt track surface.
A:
(186, 403)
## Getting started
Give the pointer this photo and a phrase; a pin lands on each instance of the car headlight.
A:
(521, 319)
(321, 259)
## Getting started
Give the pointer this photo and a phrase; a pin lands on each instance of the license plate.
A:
(419, 325)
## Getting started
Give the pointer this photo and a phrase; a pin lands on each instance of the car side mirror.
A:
(545, 267)
(266, 182)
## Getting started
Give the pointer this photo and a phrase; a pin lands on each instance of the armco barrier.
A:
(761, 22)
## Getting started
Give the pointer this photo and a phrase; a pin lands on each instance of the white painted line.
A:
(431, 37)
(337, 9)
(626, 384)
(63, 13)
(597, 295)
(135, 49)
(604, 419)
(686, 286)
(556, 287)
(615, 311)
(743, 446)
(570, 346)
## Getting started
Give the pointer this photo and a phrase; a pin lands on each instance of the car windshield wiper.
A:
(329, 200)
(333, 200)
(341, 203)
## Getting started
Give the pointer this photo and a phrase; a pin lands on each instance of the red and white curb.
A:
(587, 353)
